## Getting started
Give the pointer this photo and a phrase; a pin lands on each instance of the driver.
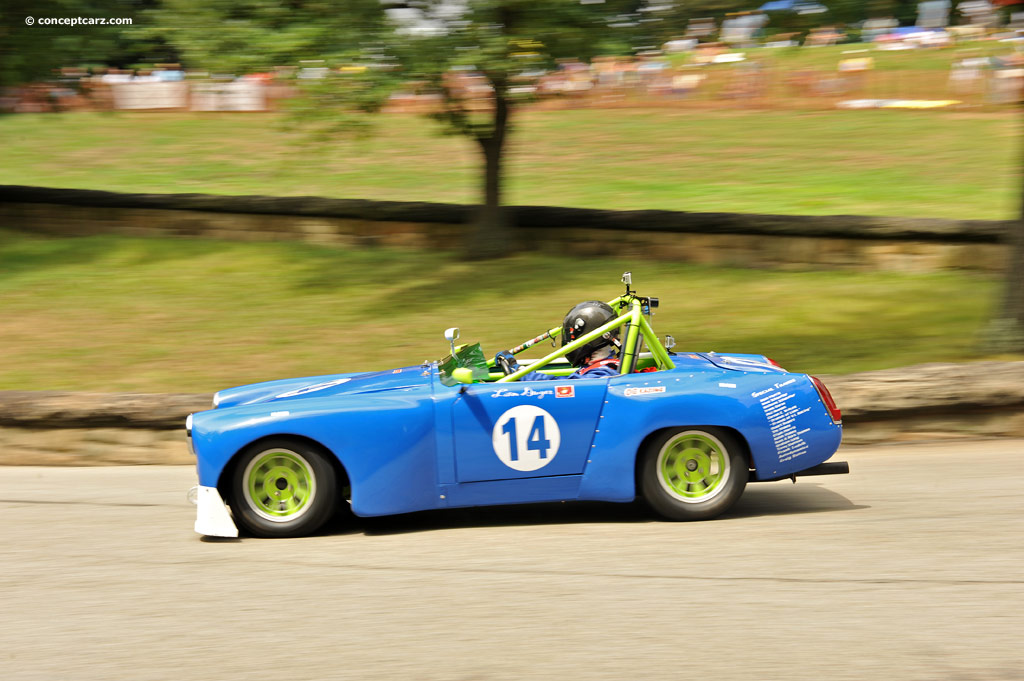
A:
(597, 359)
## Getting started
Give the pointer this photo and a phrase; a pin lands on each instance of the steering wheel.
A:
(505, 360)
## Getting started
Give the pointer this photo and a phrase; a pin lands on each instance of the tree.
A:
(1006, 332)
(245, 36)
(502, 41)
(1012, 318)
(371, 49)
(30, 50)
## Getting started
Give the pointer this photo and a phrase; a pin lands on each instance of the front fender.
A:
(385, 442)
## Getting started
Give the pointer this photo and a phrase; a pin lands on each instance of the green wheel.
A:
(283, 489)
(693, 473)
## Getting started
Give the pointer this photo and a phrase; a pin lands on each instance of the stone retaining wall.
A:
(764, 241)
(930, 401)
(984, 399)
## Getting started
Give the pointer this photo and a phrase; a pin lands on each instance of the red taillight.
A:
(826, 398)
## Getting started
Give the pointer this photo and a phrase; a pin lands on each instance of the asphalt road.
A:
(908, 568)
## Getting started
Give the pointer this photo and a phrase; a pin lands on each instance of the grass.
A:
(108, 313)
(826, 57)
(919, 164)
(119, 314)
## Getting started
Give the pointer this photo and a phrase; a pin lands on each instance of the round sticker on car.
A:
(526, 438)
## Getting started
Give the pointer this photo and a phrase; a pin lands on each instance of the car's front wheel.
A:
(282, 488)
(693, 473)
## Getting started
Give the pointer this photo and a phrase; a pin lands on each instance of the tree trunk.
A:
(492, 237)
(1007, 331)
(1013, 298)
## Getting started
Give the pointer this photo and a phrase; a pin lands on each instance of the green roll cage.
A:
(632, 313)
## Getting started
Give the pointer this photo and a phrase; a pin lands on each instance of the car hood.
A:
(321, 386)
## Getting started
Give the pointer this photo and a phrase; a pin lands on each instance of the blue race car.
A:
(684, 430)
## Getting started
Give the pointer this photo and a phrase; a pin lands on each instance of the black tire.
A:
(693, 473)
(283, 488)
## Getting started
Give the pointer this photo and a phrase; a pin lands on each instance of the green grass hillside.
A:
(906, 163)
(129, 314)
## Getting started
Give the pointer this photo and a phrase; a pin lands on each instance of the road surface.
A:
(911, 567)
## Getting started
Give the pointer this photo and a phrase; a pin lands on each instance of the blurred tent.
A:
(877, 26)
(741, 28)
(978, 13)
(933, 13)
(907, 30)
(798, 6)
(701, 27)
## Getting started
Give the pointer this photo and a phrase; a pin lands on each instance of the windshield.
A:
(466, 356)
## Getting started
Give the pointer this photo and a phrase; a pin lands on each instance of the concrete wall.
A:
(744, 240)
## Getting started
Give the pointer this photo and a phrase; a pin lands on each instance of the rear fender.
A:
(655, 434)
(610, 474)
(638, 407)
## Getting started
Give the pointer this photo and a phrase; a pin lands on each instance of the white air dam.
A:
(212, 517)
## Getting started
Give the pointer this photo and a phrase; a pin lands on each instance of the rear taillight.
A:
(826, 398)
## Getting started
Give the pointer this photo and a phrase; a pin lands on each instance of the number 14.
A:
(536, 441)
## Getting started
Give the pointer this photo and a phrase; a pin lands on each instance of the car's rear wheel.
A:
(693, 473)
(283, 488)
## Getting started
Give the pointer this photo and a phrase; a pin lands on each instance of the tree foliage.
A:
(369, 50)
(30, 51)
(504, 42)
(248, 36)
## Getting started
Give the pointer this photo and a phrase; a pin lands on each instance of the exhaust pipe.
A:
(827, 468)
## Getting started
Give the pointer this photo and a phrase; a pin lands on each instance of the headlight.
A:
(188, 434)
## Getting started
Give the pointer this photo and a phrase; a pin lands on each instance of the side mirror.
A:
(670, 342)
(451, 335)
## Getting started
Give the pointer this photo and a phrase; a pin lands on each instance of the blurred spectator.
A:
(677, 46)
(967, 76)
(1007, 79)
(746, 80)
(873, 28)
(706, 53)
(783, 40)
(701, 29)
(979, 13)
(686, 83)
(169, 73)
(854, 72)
(741, 28)
(826, 35)
(650, 69)
(933, 14)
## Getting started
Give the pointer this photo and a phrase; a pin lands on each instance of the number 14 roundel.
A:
(526, 438)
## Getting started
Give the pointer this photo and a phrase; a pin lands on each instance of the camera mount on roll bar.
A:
(647, 304)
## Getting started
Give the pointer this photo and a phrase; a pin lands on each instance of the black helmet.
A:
(583, 319)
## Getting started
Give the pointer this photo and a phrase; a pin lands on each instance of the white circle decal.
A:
(526, 438)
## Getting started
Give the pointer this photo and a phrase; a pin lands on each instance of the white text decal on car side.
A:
(526, 438)
(525, 392)
(630, 392)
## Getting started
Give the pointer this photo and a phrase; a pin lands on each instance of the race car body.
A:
(684, 430)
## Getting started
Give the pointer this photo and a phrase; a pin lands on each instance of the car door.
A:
(527, 429)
